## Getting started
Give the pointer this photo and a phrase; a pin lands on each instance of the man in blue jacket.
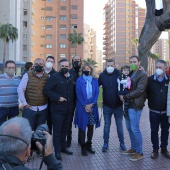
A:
(111, 103)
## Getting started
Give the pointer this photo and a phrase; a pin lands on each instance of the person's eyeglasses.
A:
(11, 67)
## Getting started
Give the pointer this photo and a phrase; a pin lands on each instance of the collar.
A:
(8, 76)
(37, 75)
(156, 77)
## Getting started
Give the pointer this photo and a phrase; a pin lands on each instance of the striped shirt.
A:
(8, 90)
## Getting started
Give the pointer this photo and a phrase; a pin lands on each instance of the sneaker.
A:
(136, 157)
(129, 152)
(105, 147)
(122, 147)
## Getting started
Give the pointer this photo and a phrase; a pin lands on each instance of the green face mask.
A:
(133, 67)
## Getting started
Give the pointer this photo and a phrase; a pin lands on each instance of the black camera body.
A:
(39, 136)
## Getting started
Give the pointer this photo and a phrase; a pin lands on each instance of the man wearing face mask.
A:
(111, 103)
(157, 101)
(8, 92)
(31, 95)
(49, 70)
(60, 90)
(76, 62)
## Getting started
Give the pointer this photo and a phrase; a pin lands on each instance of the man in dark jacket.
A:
(15, 137)
(111, 103)
(157, 102)
(49, 70)
(136, 97)
(76, 62)
(60, 90)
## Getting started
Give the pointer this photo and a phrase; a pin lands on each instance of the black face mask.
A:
(38, 68)
(86, 72)
(76, 64)
(63, 71)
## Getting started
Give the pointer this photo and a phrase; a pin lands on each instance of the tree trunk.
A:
(75, 49)
(144, 60)
(4, 56)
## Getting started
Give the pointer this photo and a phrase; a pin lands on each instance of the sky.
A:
(93, 15)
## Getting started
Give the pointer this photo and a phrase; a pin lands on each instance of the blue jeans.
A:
(132, 125)
(157, 119)
(118, 115)
(8, 113)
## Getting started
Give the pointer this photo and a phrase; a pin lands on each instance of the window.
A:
(49, 0)
(42, 27)
(24, 23)
(49, 18)
(24, 47)
(43, 9)
(25, 36)
(42, 36)
(42, 18)
(63, 8)
(73, 16)
(74, 26)
(62, 36)
(63, 17)
(62, 45)
(24, 58)
(49, 8)
(25, 1)
(48, 45)
(25, 12)
(48, 55)
(62, 0)
(62, 55)
(42, 45)
(48, 27)
(62, 27)
(74, 7)
(48, 36)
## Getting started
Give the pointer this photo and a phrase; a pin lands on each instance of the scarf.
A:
(88, 80)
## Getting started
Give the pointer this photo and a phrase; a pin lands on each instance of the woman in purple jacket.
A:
(87, 115)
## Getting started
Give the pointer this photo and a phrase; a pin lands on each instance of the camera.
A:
(38, 136)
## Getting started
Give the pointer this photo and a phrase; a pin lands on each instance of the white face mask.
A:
(48, 65)
(159, 71)
(110, 69)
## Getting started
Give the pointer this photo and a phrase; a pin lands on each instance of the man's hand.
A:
(27, 106)
(48, 146)
(88, 107)
(121, 98)
(62, 99)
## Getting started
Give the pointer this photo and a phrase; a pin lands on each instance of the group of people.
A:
(70, 96)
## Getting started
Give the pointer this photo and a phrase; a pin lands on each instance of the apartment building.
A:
(123, 22)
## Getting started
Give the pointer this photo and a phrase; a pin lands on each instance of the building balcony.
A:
(105, 42)
(105, 38)
(105, 47)
(104, 53)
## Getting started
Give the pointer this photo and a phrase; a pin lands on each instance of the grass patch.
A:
(100, 99)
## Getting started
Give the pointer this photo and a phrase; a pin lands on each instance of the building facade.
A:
(123, 21)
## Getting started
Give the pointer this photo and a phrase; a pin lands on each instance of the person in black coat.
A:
(49, 70)
(76, 62)
(15, 137)
(60, 90)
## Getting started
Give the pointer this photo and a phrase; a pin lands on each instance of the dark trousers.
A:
(8, 113)
(49, 119)
(60, 129)
(35, 118)
(157, 119)
(82, 134)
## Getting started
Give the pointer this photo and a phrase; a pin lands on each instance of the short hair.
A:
(110, 60)
(75, 56)
(64, 59)
(124, 67)
(135, 56)
(28, 65)
(90, 66)
(38, 59)
(9, 61)
(50, 56)
(19, 136)
(161, 61)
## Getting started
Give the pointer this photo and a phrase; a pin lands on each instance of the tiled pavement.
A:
(113, 158)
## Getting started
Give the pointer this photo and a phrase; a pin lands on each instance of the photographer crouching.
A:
(15, 144)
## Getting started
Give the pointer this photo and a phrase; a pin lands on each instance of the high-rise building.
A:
(51, 22)
(89, 43)
(10, 13)
(123, 22)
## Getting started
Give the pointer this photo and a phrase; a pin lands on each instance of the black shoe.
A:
(58, 157)
(154, 154)
(165, 152)
(66, 151)
(68, 143)
(89, 148)
(84, 150)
